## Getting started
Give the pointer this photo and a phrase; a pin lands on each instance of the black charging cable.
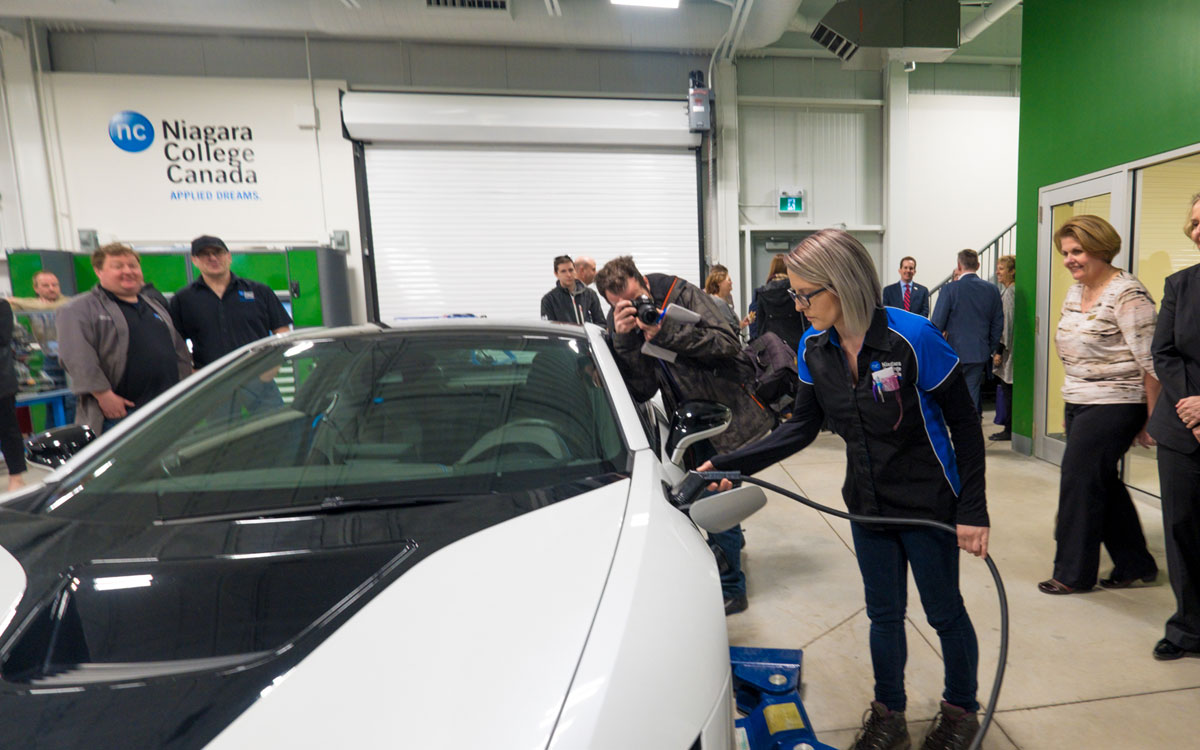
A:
(703, 478)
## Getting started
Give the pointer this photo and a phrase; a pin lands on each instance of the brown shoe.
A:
(1054, 588)
(953, 729)
(882, 729)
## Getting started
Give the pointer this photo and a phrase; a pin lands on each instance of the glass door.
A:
(1103, 197)
(1162, 197)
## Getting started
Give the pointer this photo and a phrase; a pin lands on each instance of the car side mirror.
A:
(695, 421)
(724, 510)
(54, 446)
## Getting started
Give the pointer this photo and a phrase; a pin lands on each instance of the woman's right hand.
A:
(723, 485)
(1188, 410)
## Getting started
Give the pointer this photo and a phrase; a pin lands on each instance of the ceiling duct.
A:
(500, 5)
(910, 30)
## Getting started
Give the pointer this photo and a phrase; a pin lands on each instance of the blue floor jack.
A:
(766, 686)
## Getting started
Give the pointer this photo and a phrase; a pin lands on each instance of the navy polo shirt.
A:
(246, 312)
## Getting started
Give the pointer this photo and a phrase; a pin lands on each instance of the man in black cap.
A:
(220, 311)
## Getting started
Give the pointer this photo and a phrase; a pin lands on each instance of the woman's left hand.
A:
(973, 539)
(1143, 439)
(1188, 410)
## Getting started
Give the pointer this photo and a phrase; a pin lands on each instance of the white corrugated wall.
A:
(475, 230)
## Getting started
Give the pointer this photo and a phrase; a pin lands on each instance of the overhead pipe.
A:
(989, 16)
(770, 21)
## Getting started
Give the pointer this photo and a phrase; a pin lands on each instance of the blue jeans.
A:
(883, 558)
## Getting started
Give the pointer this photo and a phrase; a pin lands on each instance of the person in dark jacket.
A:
(971, 313)
(570, 301)
(917, 296)
(775, 310)
(892, 388)
(10, 434)
(1175, 425)
(685, 361)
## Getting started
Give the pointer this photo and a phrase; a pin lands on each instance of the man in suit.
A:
(906, 294)
(970, 314)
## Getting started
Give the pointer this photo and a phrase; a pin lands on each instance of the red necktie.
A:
(907, 296)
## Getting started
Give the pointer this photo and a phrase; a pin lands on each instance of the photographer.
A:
(688, 361)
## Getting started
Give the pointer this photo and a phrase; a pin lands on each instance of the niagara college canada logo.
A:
(131, 131)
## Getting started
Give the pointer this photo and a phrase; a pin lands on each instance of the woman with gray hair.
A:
(891, 387)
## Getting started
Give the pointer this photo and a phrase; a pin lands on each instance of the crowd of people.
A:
(899, 383)
(121, 344)
(902, 386)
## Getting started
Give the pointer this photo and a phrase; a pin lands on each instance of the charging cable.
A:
(702, 478)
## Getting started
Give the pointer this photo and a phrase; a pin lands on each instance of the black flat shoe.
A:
(1006, 435)
(1124, 583)
(1164, 650)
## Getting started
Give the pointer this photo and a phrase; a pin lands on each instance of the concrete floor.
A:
(1080, 673)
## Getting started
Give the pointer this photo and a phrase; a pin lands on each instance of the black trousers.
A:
(1179, 478)
(1094, 507)
(10, 436)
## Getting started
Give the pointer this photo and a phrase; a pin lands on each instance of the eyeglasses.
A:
(804, 301)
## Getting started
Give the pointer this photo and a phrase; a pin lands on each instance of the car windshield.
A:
(385, 418)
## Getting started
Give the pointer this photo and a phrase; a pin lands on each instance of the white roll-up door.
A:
(474, 228)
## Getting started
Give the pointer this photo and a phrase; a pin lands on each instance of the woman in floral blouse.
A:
(1103, 340)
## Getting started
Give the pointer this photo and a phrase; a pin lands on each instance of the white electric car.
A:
(448, 534)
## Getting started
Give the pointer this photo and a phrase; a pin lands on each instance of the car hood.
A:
(478, 641)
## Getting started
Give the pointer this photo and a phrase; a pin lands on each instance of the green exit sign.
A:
(791, 204)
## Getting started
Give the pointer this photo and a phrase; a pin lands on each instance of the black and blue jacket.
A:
(914, 447)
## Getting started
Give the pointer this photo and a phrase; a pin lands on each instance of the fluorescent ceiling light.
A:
(648, 3)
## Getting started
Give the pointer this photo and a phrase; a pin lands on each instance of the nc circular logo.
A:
(131, 131)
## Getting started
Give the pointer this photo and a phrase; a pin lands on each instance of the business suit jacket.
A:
(971, 314)
(1176, 349)
(893, 296)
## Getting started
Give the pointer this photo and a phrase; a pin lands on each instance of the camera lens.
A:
(645, 310)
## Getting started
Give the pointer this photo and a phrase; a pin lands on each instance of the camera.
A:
(645, 310)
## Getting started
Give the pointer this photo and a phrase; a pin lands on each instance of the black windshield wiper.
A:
(335, 503)
(329, 505)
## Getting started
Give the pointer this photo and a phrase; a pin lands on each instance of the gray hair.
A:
(834, 259)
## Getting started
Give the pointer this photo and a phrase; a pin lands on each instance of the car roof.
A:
(417, 325)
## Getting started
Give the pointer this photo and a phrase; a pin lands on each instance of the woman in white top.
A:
(1103, 340)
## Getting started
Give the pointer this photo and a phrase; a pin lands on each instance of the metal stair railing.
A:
(1004, 243)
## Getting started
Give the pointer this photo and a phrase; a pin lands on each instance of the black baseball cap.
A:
(207, 240)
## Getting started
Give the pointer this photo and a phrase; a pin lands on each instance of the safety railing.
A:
(1004, 243)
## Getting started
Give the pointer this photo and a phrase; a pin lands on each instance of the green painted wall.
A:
(1103, 82)
(85, 275)
(306, 305)
(22, 265)
(268, 268)
(166, 271)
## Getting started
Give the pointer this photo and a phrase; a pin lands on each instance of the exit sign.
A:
(791, 204)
